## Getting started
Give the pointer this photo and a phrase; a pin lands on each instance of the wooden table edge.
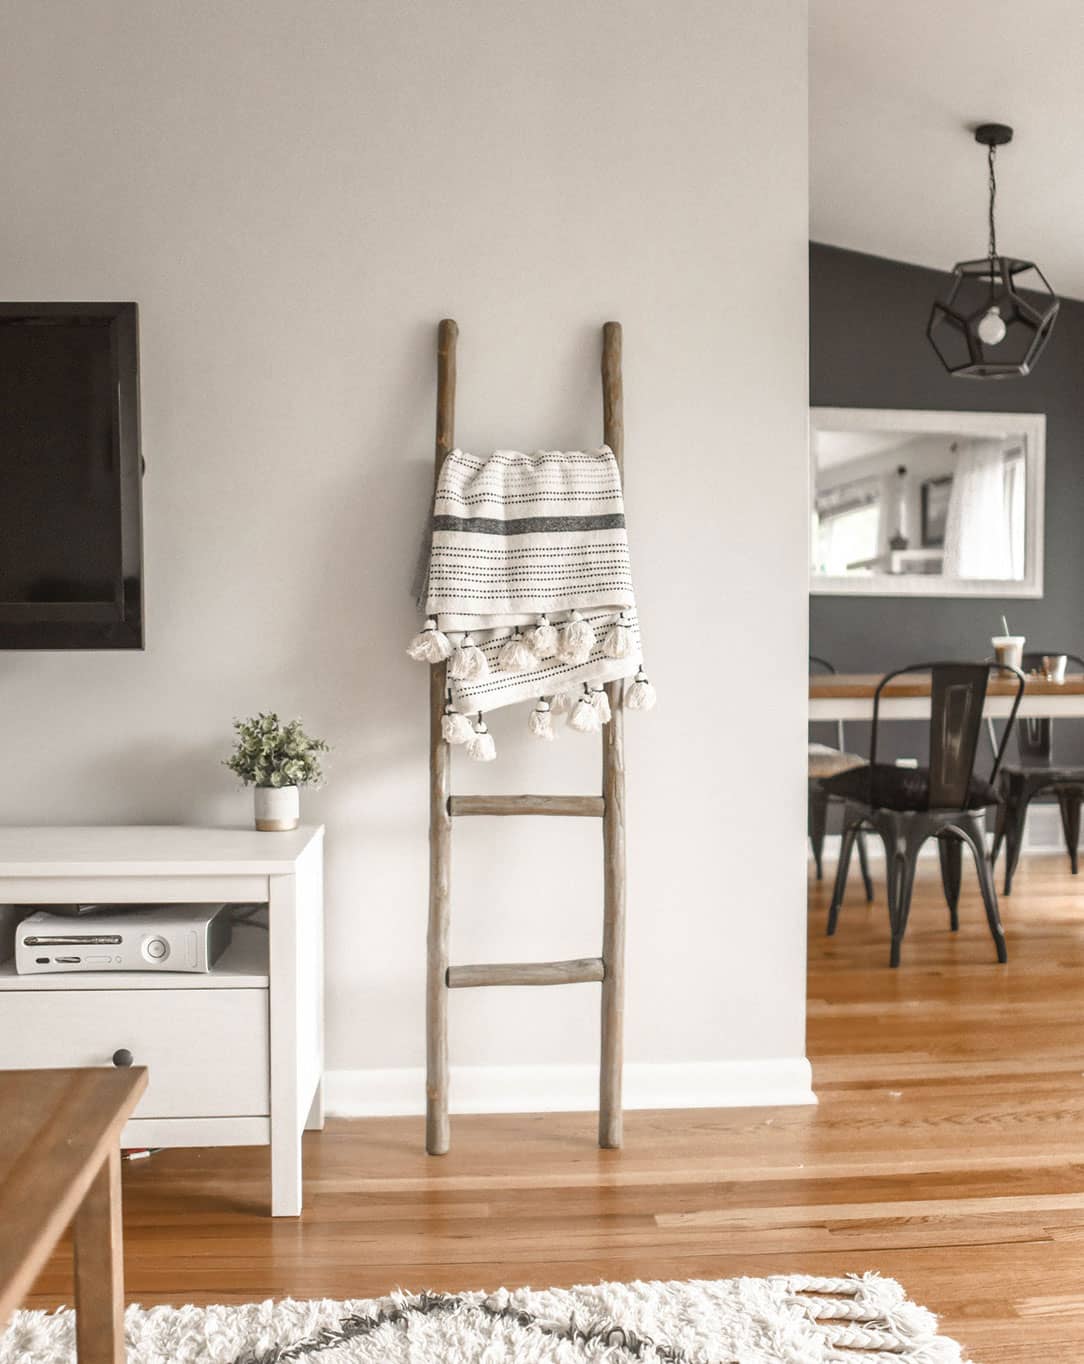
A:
(861, 686)
(61, 1216)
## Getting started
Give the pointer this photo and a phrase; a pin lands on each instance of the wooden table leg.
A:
(99, 1269)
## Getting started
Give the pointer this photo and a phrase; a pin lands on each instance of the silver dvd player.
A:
(150, 938)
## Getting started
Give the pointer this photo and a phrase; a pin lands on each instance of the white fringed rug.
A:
(793, 1320)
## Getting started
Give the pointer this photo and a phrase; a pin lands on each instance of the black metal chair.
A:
(1036, 773)
(825, 761)
(906, 806)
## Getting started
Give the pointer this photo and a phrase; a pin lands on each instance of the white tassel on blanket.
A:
(540, 721)
(469, 663)
(543, 639)
(517, 656)
(641, 695)
(429, 645)
(601, 703)
(456, 728)
(618, 641)
(576, 640)
(534, 544)
(481, 747)
(585, 717)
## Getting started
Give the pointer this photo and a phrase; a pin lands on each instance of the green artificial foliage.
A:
(269, 753)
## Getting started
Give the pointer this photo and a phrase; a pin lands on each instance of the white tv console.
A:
(235, 1055)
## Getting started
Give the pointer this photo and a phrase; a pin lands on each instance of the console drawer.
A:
(206, 1051)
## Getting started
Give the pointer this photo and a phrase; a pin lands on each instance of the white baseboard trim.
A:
(778, 1082)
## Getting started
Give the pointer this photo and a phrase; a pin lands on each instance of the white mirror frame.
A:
(1030, 425)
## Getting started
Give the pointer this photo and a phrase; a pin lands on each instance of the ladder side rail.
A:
(437, 1135)
(610, 1117)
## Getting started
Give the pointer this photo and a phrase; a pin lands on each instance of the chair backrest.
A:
(957, 697)
(816, 662)
(958, 694)
(1035, 734)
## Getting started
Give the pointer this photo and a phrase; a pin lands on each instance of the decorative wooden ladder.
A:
(609, 968)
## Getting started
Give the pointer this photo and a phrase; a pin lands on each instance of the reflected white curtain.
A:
(979, 538)
(1015, 484)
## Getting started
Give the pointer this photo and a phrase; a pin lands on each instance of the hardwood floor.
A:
(947, 1151)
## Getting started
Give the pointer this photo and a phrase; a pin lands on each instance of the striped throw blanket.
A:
(528, 592)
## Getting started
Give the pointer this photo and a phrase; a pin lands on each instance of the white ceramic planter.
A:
(278, 808)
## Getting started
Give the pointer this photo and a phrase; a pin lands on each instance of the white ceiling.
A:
(895, 86)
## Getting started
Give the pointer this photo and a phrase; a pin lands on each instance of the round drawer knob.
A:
(122, 1057)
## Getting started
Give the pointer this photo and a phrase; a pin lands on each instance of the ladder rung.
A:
(527, 805)
(527, 973)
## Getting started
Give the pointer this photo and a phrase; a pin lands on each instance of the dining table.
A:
(849, 696)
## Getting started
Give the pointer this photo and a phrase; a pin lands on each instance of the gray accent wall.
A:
(868, 348)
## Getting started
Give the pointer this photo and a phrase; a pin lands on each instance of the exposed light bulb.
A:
(991, 327)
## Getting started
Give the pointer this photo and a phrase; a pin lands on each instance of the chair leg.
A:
(1069, 801)
(999, 824)
(1016, 809)
(818, 823)
(888, 842)
(863, 863)
(902, 839)
(846, 843)
(895, 874)
(906, 858)
(973, 831)
(951, 853)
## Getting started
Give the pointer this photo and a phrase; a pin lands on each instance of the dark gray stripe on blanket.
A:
(528, 525)
(607, 1335)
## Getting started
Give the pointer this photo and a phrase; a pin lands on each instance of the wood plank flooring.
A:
(947, 1151)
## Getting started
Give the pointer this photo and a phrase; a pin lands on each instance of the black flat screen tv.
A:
(71, 540)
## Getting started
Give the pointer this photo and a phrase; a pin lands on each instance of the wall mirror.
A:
(935, 504)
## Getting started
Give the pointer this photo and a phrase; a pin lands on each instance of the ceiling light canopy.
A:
(999, 311)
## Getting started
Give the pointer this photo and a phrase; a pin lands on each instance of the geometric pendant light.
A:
(999, 311)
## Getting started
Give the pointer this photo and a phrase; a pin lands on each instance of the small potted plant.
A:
(276, 760)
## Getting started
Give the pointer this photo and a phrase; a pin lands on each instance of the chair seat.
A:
(1040, 775)
(899, 788)
(827, 762)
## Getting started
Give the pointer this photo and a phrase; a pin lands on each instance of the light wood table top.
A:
(59, 1161)
(918, 684)
(849, 696)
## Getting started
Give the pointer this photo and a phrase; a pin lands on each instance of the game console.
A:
(144, 938)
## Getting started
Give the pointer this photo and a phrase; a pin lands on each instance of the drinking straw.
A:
(1005, 623)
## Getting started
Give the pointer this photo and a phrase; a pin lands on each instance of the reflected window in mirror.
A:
(910, 503)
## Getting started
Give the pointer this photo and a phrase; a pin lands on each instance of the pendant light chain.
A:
(991, 153)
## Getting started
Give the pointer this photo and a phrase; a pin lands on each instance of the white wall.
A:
(295, 194)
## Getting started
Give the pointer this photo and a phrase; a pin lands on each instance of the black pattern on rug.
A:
(357, 1327)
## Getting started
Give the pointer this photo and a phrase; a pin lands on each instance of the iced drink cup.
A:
(1009, 649)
